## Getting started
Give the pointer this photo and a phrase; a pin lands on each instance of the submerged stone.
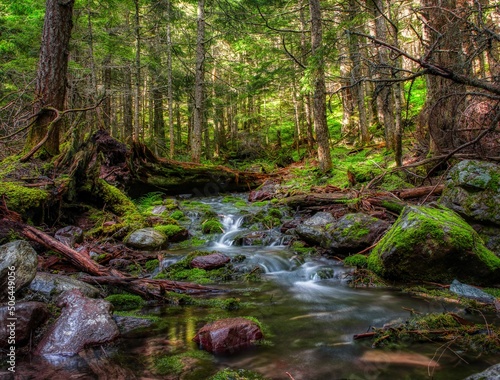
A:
(228, 335)
(433, 244)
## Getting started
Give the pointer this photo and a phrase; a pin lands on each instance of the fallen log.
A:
(147, 288)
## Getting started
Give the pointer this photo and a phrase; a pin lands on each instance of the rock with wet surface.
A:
(470, 292)
(22, 258)
(473, 189)
(52, 285)
(69, 235)
(212, 261)
(83, 322)
(146, 239)
(29, 316)
(228, 335)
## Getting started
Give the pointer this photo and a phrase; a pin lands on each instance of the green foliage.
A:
(123, 302)
(299, 246)
(357, 260)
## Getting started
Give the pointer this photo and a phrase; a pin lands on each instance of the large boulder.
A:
(18, 262)
(314, 229)
(52, 285)
(83, 322)
(28, 317)
(146, 239)
(353, 232)
(433, 244)
(228, 335)
(473, 190)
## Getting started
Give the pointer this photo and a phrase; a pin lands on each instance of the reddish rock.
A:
(29, 316)
(83, 322)
(212, 261)
(228, 335)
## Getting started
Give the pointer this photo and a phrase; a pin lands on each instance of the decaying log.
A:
(394, 199)
(144, 287)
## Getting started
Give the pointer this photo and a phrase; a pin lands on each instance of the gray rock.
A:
(492, 373)
(146, 239)
(19, 258)
(158, 210)
(467, 291)
(212, 261)
(69, 235)
(320, 219)
(354, 232)
(52, 285)
(473, 190)
(83, 322)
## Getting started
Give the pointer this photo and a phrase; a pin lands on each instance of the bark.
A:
(444, 98)
(319, 96)
(198, 111)
(170, 87)
(137, 84)
(127, 105)
(51, 81)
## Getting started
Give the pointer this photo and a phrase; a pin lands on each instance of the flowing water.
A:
(310, 316)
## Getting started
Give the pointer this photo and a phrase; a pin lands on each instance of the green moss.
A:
(270, 222)
(237, 374)
(168, 365)
(126, 301)
(260, 203)
(438, 223)
(300, 247)
(275, 213)
(177, 215)
(211, 226)
(190, 243)
(358, 260)
(197, 206)
(169, 230)
(20, 198)
(120, 204)
(151, 265)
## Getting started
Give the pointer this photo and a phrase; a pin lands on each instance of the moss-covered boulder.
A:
(146, 239)
(433, 244)
(314, 229)
(18, 262)
(473, 190)
(353, 232)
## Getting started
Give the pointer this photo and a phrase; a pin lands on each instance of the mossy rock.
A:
(146, 239)
(173, 232)
(473, 190)
(353, 232)
(237, 374)
(212, 226)
(433, 244)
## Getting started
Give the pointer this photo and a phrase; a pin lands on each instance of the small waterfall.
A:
(231, 226)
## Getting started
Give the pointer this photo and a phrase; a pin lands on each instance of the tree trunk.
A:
(444, 101)
(170, 87)
(137, 85)
(319, 96)
(127, 106)
(50, 85)
(199, 86)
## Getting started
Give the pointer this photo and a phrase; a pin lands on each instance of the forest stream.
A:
(309, 316)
